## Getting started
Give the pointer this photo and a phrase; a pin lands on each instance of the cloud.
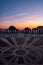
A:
(11, 17)
(19, 16)
(28, 17)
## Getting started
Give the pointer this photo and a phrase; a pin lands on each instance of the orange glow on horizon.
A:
(19, 27)
(21, 23)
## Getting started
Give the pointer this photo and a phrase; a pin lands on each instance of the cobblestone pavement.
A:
(21, 49)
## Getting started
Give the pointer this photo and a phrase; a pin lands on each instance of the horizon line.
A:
(21, 27)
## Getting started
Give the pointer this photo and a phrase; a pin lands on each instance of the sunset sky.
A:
(21, 13)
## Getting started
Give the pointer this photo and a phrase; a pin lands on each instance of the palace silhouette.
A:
(13, 29)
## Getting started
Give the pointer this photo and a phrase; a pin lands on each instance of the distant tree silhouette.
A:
(27, 30)
(0, 30)
(40, 29)
(12, 28)
(34, 31)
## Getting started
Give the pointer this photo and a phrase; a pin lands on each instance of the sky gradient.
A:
(21, 13)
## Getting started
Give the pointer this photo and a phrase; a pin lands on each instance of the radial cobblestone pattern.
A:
(21, 49)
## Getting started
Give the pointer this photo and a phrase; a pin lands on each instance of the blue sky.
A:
(16, 12)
